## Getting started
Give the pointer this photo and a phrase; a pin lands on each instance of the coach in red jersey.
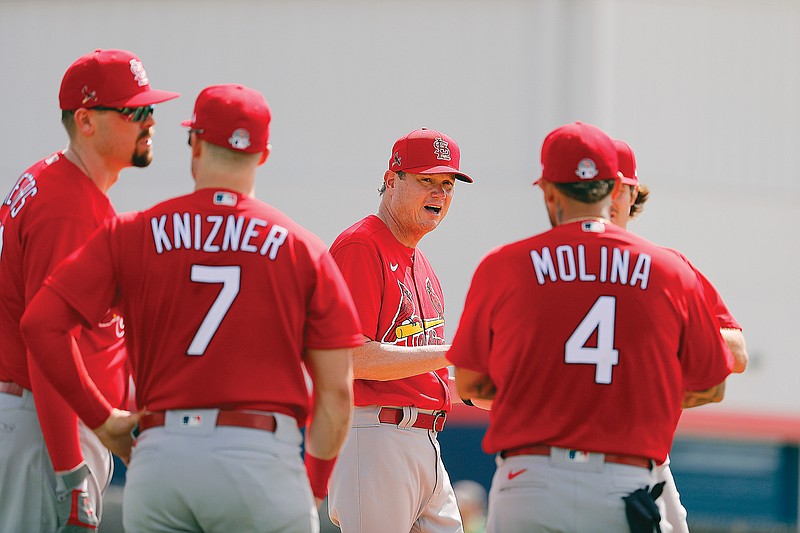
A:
(227, 301)
(107, 109)
(390, 476)
(585, 338)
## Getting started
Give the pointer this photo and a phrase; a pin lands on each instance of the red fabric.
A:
(400, 302)
(52, 210)
(319, 472)
(260, 311)
(713, 298)
(517, 323)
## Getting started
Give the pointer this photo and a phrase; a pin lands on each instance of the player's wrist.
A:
(72, 479)
(319, 472)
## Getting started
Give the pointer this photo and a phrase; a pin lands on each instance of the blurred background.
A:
(707, 92)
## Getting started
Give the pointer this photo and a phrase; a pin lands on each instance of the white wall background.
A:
(706, 92)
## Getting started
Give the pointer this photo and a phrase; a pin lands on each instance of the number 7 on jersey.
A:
(230, 277)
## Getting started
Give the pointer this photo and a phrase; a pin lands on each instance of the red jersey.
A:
(399, 301)
(222, 294)
(713, 298)
(590, 334)
(52, 210)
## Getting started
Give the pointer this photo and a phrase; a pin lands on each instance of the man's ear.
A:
(389, 178)
(83, 121)
(265, 155)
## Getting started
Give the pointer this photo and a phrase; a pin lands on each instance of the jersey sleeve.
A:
(472, 342)
(362, 270)
(705, 358)
(332, 318)
(86, 280)
(47, 244)
(715, 302)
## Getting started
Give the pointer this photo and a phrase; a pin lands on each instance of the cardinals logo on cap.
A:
(88, 95)
(138, 73)
(586, 169)
(240, 140)
(441, 149)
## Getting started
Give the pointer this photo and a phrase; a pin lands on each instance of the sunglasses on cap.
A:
(131, 114)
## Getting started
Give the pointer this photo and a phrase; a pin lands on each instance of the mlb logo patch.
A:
(577, 456)
(191, 420)
(593, 226)
(224, 198)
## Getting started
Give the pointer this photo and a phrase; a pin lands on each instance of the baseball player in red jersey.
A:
(107, 110)
(226, 300)
(624, 207)
(390, 476)
(584, 404)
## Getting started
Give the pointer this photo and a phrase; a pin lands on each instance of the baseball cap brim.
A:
(628, 181)
(153, 96)
(440, 170)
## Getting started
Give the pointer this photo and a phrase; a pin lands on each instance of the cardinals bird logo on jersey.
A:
(408, 328)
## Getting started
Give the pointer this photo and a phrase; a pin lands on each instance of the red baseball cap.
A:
(578, 152)
(233, 116)
(425, 151)
(108, 78)
(627, 163)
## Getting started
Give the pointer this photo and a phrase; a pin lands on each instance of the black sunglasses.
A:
(131, 114)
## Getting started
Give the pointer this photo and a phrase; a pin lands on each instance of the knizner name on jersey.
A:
(568, 262)
(217, 233)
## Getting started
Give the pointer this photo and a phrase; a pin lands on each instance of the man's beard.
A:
(141, 159)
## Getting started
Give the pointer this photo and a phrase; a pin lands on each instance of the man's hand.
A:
(115, 433)
(74, 508)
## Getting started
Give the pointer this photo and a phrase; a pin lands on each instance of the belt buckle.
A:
(443, 416)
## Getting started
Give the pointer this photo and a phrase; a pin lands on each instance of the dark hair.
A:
(68, 120)
(588, 192)
(638, 205)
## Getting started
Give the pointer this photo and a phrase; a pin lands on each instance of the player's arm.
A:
(475, 386)
(50, 240)
(734, 338)
(378, 361)
(46, 326)
(697, 398)
(332, 374)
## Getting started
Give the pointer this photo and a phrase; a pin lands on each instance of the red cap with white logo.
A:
(108, 78)
(233, 116)
(425, 151)
(578, 152)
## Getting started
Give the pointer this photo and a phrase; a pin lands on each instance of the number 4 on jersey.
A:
(601, 317)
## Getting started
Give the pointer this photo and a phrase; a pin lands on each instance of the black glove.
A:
(641, 509)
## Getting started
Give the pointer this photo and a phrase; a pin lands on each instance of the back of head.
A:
(232, 116)
(581, 160)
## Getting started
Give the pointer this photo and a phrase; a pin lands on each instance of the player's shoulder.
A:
(369, 231)
(52, 188)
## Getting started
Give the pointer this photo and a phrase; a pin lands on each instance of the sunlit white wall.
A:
(706, 92)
